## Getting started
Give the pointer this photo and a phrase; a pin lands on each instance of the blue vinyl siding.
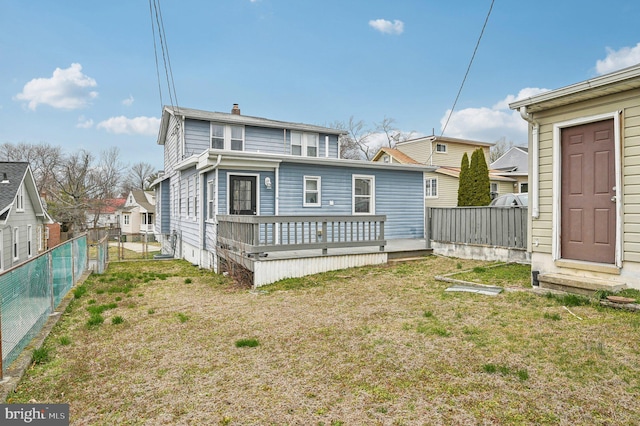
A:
(197, 137)
(164, 216)
(405, 213)
(188, 224)
(260, 139)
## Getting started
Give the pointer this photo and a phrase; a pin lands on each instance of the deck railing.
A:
(254, 235)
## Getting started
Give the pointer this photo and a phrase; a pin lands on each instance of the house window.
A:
(431, 188)
(16, 251)
(312, 144)
(29, 241)
(20, 199)
(363, 194)
(494, 187)
(524, 187)
(224, 136)
(440, 147)
(312, 191)
(210, 201)
(125, 217)
(296, 143)
(304, 144)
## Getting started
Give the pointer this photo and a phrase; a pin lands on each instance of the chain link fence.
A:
(31, 291)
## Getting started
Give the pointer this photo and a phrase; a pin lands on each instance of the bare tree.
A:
(139, 176)
(392, 134)
(77, 185)
(498, 150)
(43, 158)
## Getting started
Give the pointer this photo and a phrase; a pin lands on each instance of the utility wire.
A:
(155, 6)
(468, 69)
(155, 52)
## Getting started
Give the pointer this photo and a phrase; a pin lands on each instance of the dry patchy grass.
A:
(373, 345)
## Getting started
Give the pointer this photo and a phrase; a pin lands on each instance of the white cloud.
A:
(84, 123)
(618, 59)
(66, 89)
(387, 27)
(129, 101)
(131, 126)
(489, 124)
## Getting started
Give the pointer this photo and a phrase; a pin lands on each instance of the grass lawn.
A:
(165, 343)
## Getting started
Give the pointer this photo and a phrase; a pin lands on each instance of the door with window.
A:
(243, 195)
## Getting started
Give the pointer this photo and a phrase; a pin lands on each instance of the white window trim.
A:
(557, 181)
(210, 201)
(226, 135)
(372, 196)
(429, 179)
(520, 187)
(318, 179)
(442, 145)
(126, 219)
(38, 236)
(20, 199)
(304, 144)
(29, 241)
(15, 247)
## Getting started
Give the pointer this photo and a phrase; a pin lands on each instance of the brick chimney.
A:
(235, 110)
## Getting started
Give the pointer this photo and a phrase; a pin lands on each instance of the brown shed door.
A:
(588, 215)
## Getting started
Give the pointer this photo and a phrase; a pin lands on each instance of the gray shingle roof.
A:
(11, 175)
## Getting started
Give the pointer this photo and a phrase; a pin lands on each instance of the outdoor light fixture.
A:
(267, 182)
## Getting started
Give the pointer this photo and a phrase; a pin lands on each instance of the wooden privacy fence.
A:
(492, 226)
(259, 234)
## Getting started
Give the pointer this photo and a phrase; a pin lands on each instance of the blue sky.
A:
(81, 74)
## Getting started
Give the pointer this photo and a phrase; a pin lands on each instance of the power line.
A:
(468, 69)
(155, 11)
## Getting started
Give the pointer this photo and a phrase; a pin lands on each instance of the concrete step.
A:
(577, 285)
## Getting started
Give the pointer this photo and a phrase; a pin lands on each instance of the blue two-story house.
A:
(276, 198)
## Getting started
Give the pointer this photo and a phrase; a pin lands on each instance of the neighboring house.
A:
(137, 216)
(22, 215)
(441, 185)
(220, 165)
(514, 164)
(106, 215)
(584, 197)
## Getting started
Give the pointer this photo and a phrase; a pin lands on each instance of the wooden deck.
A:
(271, 267)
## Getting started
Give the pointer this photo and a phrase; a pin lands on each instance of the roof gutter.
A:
(535, 174)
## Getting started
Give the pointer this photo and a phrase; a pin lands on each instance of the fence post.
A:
(427, 226)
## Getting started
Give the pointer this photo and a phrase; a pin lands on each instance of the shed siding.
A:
(627, 103)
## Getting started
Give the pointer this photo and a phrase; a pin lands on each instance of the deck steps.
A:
(577, 285)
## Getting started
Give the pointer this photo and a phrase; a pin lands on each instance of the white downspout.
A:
(326, 146)
(205, 205)
(277, 202)
(535, 160)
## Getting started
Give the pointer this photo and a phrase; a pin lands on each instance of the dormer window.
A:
(20, 199)
(225, 136)
(441, 148)
(304, 144)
